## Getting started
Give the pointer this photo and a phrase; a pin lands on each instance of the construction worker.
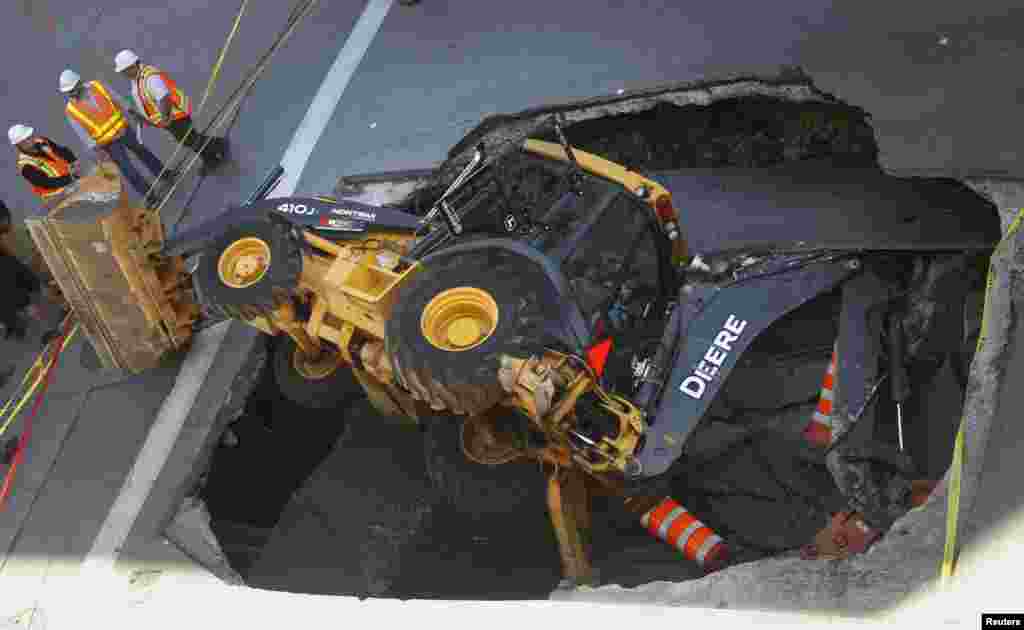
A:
(50, 168)
(98, 115)
(16, 241)
(166, 106)
(20, 286)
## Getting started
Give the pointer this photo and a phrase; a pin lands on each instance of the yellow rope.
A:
(950, 552)
(28, 375)
(39, 379)
(206, 94)
(236, 101)
(220, 59)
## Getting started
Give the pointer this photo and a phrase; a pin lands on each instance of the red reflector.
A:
(663, 206)
(597, 356)
(323, 220)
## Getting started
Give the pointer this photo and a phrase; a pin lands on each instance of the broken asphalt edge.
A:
(174, 507)
(184, 517)
(902, 569)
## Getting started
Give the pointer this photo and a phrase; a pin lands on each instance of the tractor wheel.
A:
(307, 385)
(478, 491)
(249, 268)
(455, 319)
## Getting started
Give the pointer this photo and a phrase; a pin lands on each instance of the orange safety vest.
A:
(104, 121)
(181, 105)
(51, 164)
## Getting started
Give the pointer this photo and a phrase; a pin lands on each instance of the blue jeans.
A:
(118, 151)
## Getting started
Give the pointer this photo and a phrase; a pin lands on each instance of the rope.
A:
(950, 552)
(206, 94)
(243, 90)
(187, 207)
(27, 434)
(39, 377)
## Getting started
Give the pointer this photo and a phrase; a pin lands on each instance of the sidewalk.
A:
(87, 439)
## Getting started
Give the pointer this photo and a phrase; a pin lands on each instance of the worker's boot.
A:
(219, 149)
(214, 156)
(170, 176)
(152, 199)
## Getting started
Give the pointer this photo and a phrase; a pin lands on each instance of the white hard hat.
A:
(19, 133)
(68, 80)
(124, 59)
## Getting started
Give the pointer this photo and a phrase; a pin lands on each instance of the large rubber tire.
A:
(336, 390)
(282, 277)
(467, 381)
(476, 491)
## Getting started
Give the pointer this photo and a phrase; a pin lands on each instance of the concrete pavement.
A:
(84, 451)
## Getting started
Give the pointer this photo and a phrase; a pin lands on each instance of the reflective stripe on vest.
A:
(52, 164)
(104, 120)
(181, 105)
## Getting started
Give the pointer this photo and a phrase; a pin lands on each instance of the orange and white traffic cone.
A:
(672, 523)
(819, 430)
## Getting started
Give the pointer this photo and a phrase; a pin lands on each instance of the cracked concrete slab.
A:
(87, 470)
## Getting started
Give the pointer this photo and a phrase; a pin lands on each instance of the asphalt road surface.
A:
(940, 79)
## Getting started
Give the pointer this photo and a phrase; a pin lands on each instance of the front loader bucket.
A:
(134, 311)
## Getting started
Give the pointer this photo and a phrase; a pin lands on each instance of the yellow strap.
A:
(206, 94)
(40, 373)
(28, 374)
(38, 162)
(950, 551)
(220, 59)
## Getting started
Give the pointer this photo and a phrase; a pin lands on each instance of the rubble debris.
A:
(757, 121)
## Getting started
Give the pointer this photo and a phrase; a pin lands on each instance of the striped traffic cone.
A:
(672, 523)
(819, 430)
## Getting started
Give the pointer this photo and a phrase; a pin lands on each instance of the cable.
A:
(240, 93)
(209, 87)
(39, 376)
(27, 434)
(202, 178)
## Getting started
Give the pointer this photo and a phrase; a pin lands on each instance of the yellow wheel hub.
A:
(459, 319)
(316, 369)
(244, 262)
